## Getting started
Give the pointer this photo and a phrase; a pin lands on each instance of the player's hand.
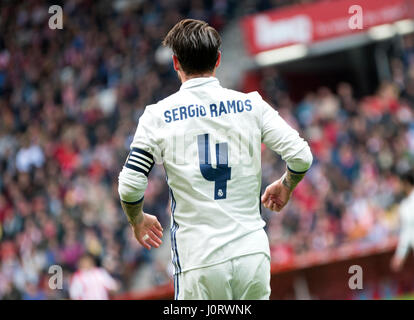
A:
(396, 263)
(276, 196)
(148, 232)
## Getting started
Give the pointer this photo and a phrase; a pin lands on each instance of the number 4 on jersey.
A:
(222, 172)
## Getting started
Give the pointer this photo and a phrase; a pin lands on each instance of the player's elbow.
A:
(131, 185)
(307, 158)
(123, 189)
(302, 161)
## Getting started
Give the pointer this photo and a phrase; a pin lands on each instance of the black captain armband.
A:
(297, 172)
(140, 160)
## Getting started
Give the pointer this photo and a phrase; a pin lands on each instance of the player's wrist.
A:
(137, 220)
(291, 179)
(287, 184)
(133, 212)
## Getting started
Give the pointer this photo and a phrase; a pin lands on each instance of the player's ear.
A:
(218, 59)
(176, 63)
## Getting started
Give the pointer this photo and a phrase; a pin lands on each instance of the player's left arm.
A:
(133, 181)
(280, 137)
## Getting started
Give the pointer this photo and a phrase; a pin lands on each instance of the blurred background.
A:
(70, 100)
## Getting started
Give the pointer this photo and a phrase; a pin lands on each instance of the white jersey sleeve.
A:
(144, 152)
(145, 137)
(280, 137)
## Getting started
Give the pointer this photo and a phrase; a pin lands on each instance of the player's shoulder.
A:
(171, 99)
(253, 95)
(156, 109)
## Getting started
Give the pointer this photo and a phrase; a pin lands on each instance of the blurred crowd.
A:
(361, 148)
(69, 104)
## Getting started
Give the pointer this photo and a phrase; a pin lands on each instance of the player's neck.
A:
(185, 77)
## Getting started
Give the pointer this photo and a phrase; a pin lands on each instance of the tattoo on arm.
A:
(291, 179)
(133, 211)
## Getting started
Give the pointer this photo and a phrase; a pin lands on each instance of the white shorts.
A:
(242, 278)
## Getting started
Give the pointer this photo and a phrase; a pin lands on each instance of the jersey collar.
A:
(202, 81)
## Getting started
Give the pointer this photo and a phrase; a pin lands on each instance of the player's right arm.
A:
(280, 137)
(133, 181)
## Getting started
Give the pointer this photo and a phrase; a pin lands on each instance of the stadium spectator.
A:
(91, 282)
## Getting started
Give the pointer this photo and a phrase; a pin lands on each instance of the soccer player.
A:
(406, 212)
(209, 141)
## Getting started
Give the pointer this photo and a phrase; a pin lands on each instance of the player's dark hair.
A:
(195, 44)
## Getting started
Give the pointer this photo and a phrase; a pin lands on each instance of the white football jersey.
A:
(209, 140)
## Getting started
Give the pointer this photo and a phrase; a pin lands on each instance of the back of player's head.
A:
(195, 44)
